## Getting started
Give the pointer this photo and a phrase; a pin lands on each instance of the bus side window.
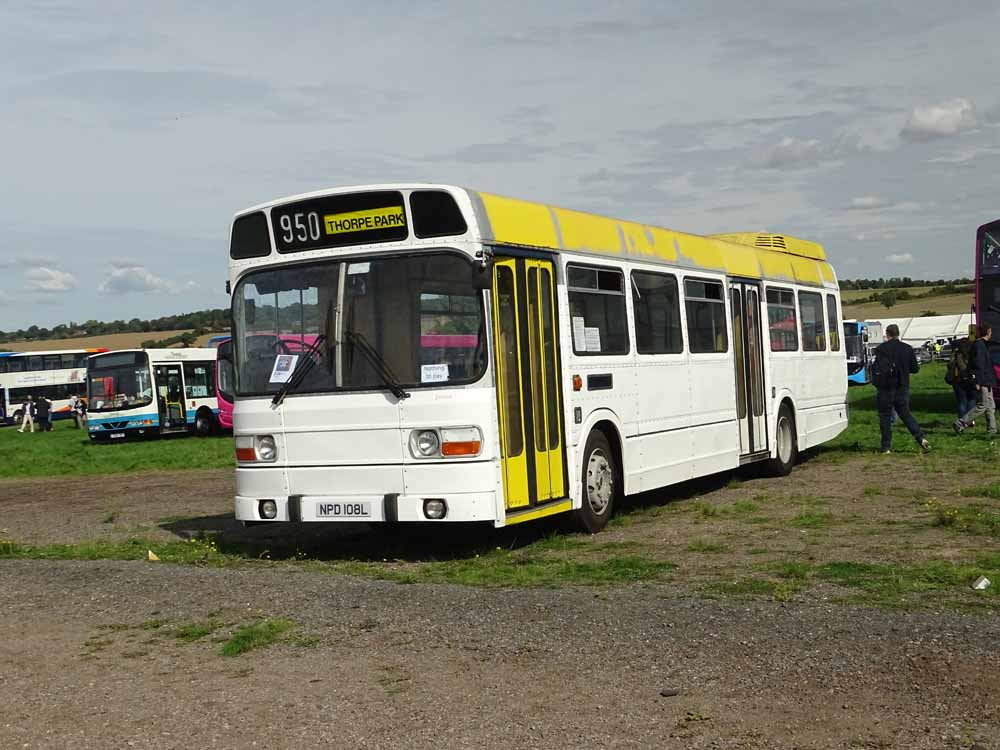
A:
(832, 324)
(811, 321)
(597, 310)
(705, 304)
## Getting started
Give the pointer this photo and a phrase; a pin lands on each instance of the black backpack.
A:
(884, 371)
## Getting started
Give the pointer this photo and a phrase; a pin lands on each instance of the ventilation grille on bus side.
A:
(770, 240)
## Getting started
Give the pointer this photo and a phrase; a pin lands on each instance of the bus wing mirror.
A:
(484, 277)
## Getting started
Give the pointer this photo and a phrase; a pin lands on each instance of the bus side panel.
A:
(662, 445)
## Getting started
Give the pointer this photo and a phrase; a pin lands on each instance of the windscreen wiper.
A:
(302, 367)
(378, 363)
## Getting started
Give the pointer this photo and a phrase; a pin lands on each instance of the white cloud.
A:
(898, 259)
(789, 152)
(26, 262)
(940, 120)
(132, 277)
(868, 203)
(45, 279)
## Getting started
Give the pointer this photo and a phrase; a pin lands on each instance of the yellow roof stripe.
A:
(522, 223)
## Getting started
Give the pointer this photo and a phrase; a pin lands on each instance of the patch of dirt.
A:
(51, 510)
(90, 660)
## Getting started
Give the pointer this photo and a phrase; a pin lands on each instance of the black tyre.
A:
(786, 444)
(601, 484)
(204, 423)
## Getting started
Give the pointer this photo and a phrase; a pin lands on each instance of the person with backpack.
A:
(959, 375)
(43, 411)
(985, 379)
(891, 370)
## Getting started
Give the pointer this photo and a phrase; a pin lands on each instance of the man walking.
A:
(985, 378)
(28, 414)
(894, 363)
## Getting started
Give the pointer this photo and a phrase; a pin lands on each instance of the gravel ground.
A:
(378, 665)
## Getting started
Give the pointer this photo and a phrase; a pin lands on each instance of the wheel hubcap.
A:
(784, 440)
(600, 482)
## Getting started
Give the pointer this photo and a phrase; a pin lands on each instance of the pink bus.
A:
(224, 381)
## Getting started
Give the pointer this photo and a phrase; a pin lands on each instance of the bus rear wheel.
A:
(600, 484)
(786, 448)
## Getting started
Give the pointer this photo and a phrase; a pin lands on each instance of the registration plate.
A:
(114, 435)
(361, 510)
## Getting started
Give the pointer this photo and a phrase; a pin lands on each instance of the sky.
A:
(130, 133)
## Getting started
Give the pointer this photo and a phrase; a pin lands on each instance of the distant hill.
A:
(105, 341)
(71, 335)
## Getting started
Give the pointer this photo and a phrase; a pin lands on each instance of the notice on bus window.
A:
(579, 335)
(593, 338)
(284, 366)
(434, 373)
(362, 221)
(353, 268)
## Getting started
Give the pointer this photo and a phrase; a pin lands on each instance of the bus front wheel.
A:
(600, 484)
(203, 423)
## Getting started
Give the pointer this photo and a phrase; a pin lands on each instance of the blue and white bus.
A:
(860, 340)
(146, 392)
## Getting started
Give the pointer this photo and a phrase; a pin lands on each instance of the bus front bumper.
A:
(468, 506)
(373, 494)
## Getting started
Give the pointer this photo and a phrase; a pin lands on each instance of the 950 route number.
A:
(349, 510)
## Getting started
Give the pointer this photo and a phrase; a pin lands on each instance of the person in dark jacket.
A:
(985, 378)
(959, 375)
(895, 395)
(43, 411)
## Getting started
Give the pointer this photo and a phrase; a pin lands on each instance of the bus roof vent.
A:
(772, 241)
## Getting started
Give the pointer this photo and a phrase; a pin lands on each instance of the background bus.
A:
(224, 380)
(145, 392)
(860, 340)
(57, 375)
(987, 305)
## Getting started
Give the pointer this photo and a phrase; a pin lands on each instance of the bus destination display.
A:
(339, 220)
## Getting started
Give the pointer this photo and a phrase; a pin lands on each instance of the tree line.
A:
(205, 321)
(898, 282)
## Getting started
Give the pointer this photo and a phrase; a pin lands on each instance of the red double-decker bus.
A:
(987, 307)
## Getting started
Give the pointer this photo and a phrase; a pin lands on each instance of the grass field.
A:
(849, 525)
(946, 304)
(67, 450)
(108, 341)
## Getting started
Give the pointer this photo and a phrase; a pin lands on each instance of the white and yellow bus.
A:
(431, 353)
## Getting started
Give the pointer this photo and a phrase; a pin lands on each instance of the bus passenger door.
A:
(747, 351)
(528, 392)
(170, 397)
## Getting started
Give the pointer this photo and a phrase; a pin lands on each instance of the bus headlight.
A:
(267, 449)
(425, 443)
(448, 442)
